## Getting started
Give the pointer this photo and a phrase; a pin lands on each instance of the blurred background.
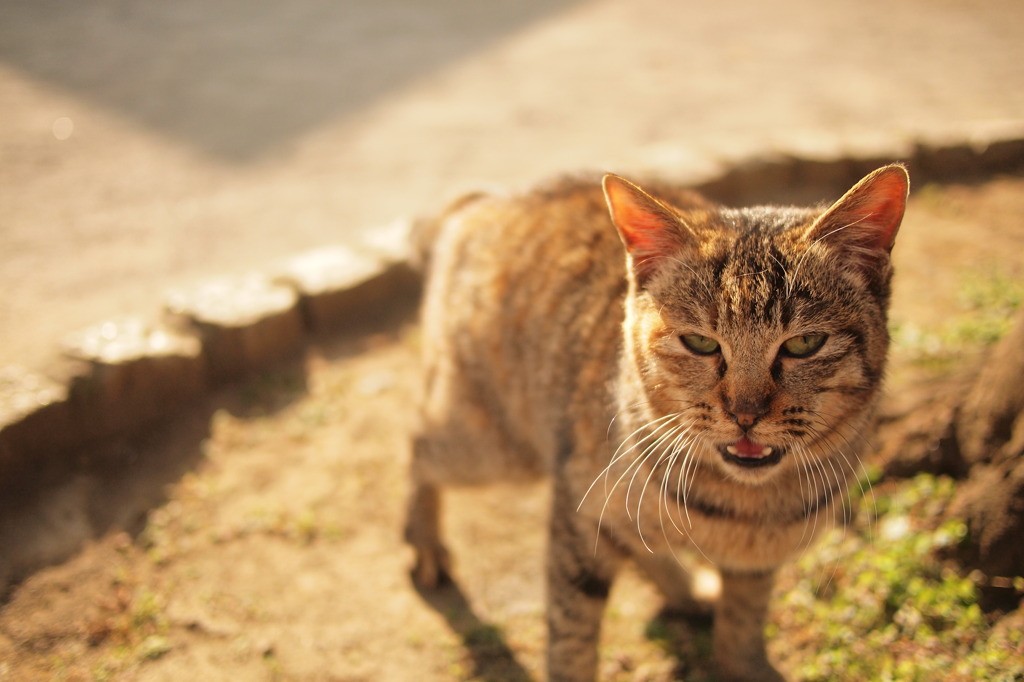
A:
(144, 144)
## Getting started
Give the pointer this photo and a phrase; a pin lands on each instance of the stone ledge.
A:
(124, 375)
(338, 286)
(804, 168)
(243, 324)
(120, 376)
(133, 374)
(35, 419)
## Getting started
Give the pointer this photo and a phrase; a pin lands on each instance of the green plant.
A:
(876, 601)
(989, 299)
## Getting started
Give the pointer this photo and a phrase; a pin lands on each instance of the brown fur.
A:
(555, 343)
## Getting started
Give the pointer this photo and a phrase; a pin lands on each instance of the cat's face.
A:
(763, 331)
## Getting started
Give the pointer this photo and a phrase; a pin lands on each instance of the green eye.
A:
(804, 346)
(701, 345)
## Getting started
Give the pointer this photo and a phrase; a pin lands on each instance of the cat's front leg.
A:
(423, 517)
(422, 532)
(738, 639)
(579, 580)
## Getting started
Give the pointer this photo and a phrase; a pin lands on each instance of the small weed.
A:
(153, 647)
(273, 664)
(989, 299)
(484, 636)
(996, 291)
(147, 611)
(105, 671)
(303, 527)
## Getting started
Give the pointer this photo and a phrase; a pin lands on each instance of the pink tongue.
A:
(748, 448)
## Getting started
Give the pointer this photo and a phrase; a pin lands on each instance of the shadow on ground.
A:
(237, 78)
(492, 658)
(113, 486)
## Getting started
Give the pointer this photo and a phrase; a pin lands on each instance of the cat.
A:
(693, 378)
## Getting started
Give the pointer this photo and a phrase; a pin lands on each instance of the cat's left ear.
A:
(864, 222)
(650, 230)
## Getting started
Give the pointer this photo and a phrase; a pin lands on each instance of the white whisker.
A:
(619, 453)
(652, 451)
(645, 442)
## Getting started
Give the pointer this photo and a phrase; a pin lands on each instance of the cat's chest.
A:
(650, 505)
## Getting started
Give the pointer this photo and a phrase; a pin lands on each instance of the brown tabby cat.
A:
(693, 377)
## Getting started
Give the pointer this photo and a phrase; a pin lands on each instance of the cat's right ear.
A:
(649, 229)
(864, 222)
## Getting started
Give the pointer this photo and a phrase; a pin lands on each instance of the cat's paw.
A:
(432, 568)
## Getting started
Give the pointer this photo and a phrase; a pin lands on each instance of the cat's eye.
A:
(701, 345)
(804, 346)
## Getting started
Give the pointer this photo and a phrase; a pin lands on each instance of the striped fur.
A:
(557, 342)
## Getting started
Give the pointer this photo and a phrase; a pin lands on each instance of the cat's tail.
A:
(425, 231)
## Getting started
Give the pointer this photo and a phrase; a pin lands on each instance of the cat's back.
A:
(471, 236)
(514, 278)
(491, 254)
(522, 307)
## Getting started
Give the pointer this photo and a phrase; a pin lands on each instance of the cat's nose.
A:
(747, 404)
(747, 413)
(746, 419)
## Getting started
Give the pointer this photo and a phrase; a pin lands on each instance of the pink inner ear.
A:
(642, 232)
(884, 207)
(870, 214)
(646, 227)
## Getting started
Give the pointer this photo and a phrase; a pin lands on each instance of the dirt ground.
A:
(258, 537)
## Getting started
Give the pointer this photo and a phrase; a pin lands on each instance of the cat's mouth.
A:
(747, 453)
